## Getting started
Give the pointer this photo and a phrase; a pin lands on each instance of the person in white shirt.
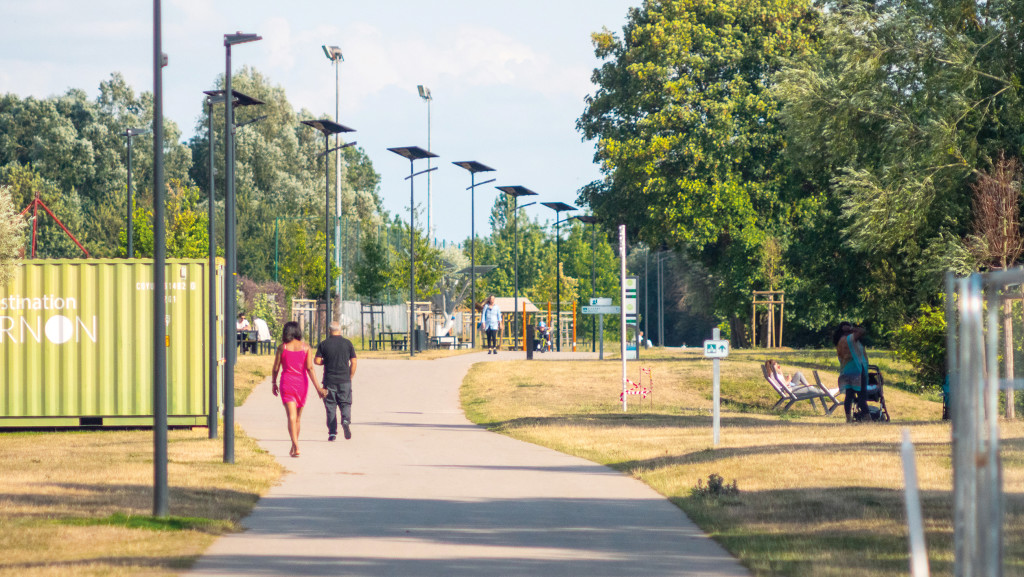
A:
(242, 324)
(490, 321)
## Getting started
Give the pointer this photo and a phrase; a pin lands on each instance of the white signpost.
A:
(716, 349)
(601, 301)
(622, 314)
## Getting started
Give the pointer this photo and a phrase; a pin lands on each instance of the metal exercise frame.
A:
(972, 344)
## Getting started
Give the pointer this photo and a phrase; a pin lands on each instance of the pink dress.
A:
(294, 380)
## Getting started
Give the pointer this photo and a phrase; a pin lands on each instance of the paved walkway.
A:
(420, 491)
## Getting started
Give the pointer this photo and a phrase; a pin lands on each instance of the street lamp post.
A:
(473, 167)
(230, 247)
(426, 96)
(559, 208)
(215, 97)
(160, 487)
(592, 221)
(515, 192)
(129, 133)
(333, 54)
(327, 128)
(413, 153)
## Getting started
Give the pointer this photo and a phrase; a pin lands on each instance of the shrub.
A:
(922, 343)
(716, 487)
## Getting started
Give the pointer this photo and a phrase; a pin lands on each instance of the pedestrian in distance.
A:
(338, 358)
(294, 364)
(490, 323)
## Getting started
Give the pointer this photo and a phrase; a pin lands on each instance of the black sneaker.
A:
(332, 437)
(346, 429)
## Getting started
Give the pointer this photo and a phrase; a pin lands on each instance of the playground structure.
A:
(34, 206)
(768, 299)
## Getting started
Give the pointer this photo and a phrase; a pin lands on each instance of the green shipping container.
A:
(76, 343)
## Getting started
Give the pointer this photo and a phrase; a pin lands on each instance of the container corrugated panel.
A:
(76, 340)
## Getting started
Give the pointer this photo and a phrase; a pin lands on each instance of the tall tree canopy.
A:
(688, 135)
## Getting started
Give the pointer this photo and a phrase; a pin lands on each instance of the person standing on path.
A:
(294, 362)
(338, 357)
(490, 321)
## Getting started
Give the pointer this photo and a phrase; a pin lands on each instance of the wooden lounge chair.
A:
(830, 394)
(792, 394)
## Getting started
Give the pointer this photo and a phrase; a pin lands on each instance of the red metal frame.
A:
(34, 205)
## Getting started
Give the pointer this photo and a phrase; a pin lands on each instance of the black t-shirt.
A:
(336, 351)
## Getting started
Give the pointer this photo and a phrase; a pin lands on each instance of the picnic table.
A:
(398, 340)
(246, 340)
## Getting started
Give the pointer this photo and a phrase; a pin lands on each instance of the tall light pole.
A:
(129, 133)
(215, 97)
(559, 208)
(515, 192)
(328, 128)
(473, 167)
(413, 153)
(592, 221)
(333, 54)
(425, 95)
(160, 488)
(230, 247)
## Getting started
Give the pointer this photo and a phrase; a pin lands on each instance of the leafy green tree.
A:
(428, 271)
(77, 145)
(12, 227)
(278, 171)
(888, 123)
(372, 268)
(534, 248)
(186, 228)
(688, 134)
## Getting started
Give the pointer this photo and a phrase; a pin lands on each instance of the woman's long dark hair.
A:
(291, 332)
(842, 329)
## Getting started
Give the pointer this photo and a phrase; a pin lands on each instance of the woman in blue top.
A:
(490, 321)
(853, 368)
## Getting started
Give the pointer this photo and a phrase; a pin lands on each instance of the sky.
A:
(508, 79)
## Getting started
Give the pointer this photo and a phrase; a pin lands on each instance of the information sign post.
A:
(716, 349)
(601, 306)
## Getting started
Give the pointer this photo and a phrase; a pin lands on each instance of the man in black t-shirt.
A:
(338, 357)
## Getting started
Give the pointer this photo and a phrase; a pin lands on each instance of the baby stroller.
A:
(875, 394)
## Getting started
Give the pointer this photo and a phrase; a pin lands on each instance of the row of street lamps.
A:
(328, 128)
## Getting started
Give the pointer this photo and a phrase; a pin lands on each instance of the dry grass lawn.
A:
(818, 497)
(71, 503)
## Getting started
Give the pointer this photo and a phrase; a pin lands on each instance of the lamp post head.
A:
(516, 191)
(240, 38)
(586, 218)
(328, 127)
(333, 53)
(559, 207)
(473, 166)
(424, 92)
(241, 99)
(412, 152)
(137, 131)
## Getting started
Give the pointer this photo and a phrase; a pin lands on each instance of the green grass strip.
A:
(151, 523)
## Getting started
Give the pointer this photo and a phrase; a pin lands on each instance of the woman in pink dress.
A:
(294, 362)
